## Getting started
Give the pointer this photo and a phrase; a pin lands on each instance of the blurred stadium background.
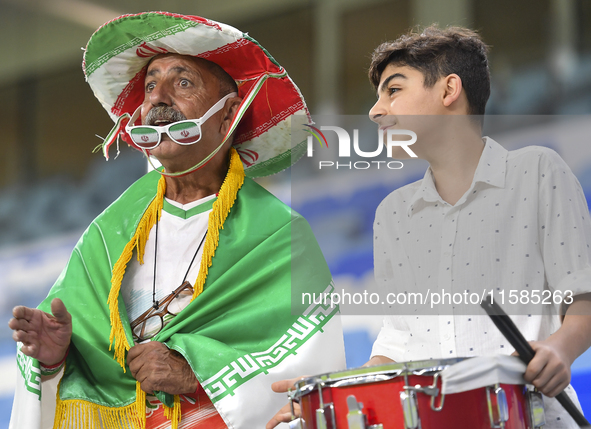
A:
(51, 185)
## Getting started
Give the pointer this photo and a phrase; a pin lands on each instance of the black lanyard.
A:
(154, 302)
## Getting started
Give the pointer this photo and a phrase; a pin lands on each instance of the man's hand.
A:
(44, 337)
(157, 367)
(284, 414)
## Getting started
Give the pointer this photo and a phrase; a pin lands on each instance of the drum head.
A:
(371, 374)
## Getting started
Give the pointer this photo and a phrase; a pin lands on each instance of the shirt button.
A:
(446, 337)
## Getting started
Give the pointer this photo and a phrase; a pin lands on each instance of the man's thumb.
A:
(59, 311)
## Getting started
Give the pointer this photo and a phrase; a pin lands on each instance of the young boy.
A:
(482, 219)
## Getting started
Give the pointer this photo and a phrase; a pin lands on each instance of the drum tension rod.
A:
(291, 401)
(296, 422)
(325, 416)
(432, 391)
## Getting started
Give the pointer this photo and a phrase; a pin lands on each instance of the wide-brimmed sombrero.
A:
(115, 64)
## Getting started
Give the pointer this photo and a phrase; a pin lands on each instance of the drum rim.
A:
(368, 374)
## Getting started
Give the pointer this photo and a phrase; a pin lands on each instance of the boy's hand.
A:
(549, 370)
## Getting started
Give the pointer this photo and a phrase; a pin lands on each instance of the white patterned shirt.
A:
(522, 225)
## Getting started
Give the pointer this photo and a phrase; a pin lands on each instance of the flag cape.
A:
(238, 335)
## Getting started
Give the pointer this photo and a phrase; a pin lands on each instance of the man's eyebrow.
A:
(177, 69)
(385, 83)
(153, 72)
(181, 69)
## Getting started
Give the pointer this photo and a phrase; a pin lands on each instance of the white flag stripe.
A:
(322, 353)
(8, 380)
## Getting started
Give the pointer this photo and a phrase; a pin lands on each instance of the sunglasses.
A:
(182, 132)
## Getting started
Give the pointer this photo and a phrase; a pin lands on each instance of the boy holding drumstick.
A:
(482, 219)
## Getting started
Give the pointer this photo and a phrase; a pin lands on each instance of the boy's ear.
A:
(452, 89)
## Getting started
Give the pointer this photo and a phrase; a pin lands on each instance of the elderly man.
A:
(195, 327)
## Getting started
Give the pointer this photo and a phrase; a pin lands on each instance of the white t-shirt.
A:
(180, 232)
(523, 224)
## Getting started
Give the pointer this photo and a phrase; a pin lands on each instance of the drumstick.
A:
(526, 353)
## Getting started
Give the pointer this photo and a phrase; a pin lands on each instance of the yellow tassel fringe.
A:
(174, 414)
(82, 414)
(148, 220)
(79, 414)
(140, 403)
(221, 208)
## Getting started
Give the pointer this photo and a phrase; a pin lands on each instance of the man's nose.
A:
(161, 94)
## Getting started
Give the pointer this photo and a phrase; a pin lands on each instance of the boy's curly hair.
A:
(437, 53)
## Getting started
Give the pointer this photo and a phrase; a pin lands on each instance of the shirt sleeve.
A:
(392, 341)
(565, 226)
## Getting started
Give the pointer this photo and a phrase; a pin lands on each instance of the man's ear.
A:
(452, 89)
(229, 111)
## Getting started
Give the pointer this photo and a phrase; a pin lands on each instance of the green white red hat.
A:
(116, 59)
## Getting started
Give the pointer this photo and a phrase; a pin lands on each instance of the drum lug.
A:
(436, 390)
(355, 417)
(408, 399)
(502, 408)
(325, 418)
(432, 391)
(535, 406)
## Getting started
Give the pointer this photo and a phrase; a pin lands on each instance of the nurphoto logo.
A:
(344, 147)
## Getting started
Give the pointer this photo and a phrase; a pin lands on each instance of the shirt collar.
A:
(491, 170)
(424, 195)
(492, 165)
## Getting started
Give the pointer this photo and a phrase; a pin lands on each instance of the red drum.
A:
(408, 396)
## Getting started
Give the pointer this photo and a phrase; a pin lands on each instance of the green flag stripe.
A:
(99, 48)
(30, 371)
(186, 214)
(243, 369)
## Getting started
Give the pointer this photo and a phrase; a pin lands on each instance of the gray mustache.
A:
(163, 113)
